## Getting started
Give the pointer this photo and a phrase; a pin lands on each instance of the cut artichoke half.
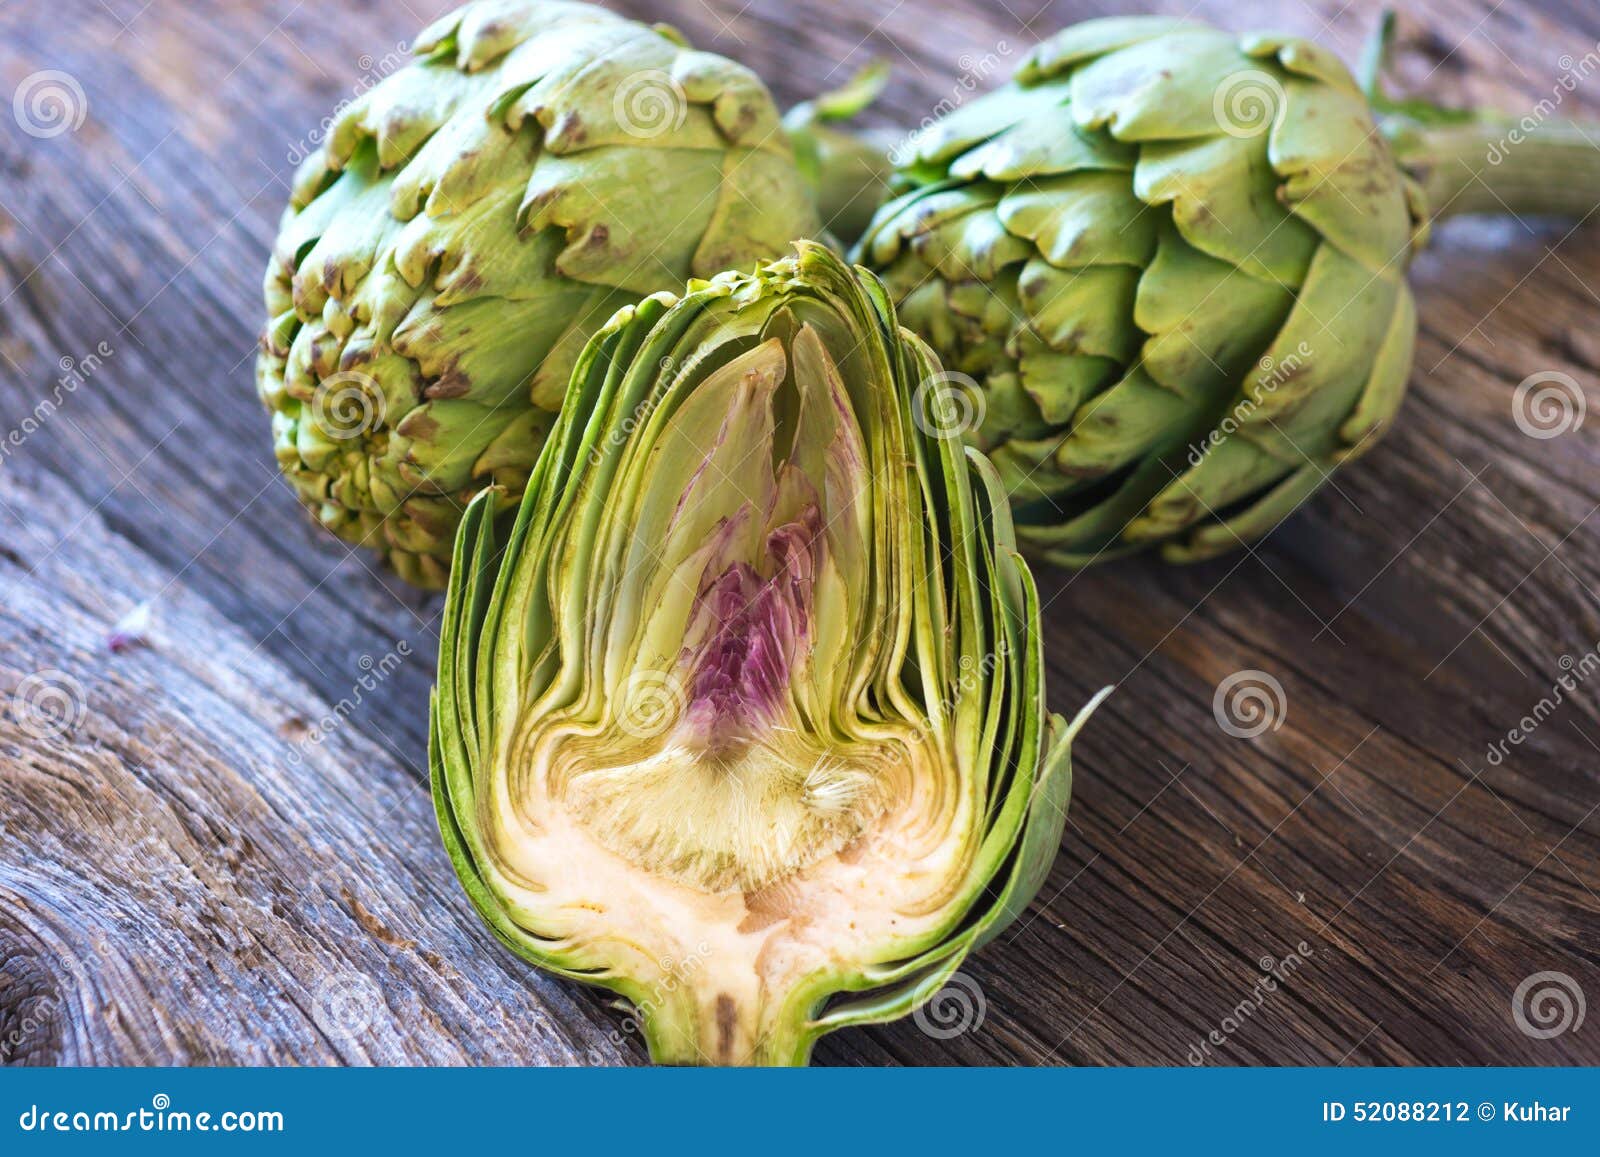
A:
(746, 711)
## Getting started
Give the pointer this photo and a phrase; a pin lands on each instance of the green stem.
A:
(1491, 164)
(689, 1025)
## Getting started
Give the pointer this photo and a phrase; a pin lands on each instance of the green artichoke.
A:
(472, 219)
(745, 711)
(1171, 263)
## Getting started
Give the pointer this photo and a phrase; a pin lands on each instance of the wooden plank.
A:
(174, 889)
(204, 863)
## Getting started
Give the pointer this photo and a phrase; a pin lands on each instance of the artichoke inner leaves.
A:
(742, 782)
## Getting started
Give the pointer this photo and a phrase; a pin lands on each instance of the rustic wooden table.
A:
(184, 879)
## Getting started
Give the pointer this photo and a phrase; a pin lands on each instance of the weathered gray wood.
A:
(203, 862)
(172, 889)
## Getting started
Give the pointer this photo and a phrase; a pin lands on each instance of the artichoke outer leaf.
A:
(1303, 58)
(1224, 197)
(1207, 320)
(1391, 371)
(1132, 418)
(1081, 220)
(1340, 177)
(1047, 144)
(1258, 519)
(1227, 471)
(978, 121)
(1312, 376)
(1086, 311)
(1162, 89)
(1093, 38)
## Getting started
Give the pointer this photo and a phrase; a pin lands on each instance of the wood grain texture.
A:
(189, 875)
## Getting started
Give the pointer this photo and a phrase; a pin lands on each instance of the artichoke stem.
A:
(693, 1027)
(1500, 165)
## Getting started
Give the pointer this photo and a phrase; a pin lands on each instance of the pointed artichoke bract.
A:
(1172, 263)
(469, 222)
(743, 718)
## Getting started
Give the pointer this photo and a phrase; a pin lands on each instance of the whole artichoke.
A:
(1172, 263)
(746, 710)
(470, 221)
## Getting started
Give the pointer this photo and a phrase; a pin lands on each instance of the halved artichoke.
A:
(474, 217)
(746, 711)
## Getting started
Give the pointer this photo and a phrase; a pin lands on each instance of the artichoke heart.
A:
(745, 711)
